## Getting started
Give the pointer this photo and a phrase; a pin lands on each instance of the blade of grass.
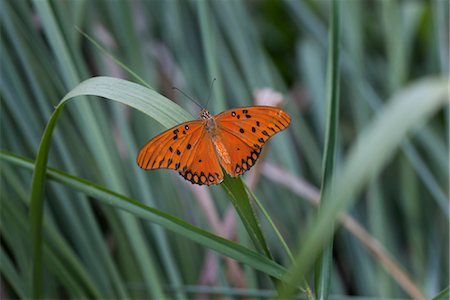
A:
(444, 294)
(241, 202)
(324, 265)
(10, 274)
(108, 197)
(306, 288)
(37, 206)
(209, 32)
(145, 100)
(239, 198)
(372, 150)
(121, 64)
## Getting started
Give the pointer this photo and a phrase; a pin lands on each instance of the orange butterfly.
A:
(197, 149)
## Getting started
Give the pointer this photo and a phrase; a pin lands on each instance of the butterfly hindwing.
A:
(179, 148)
(247, 129)
(203, 166)
(235, 155)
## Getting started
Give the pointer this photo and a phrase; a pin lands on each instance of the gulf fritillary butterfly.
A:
(197, 149)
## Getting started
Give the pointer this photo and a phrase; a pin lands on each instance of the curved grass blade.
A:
(149, 102)
(370, 153)
(37, 204)
(143, 99)
(205, 238)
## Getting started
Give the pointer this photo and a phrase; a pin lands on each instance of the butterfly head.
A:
(205, 115)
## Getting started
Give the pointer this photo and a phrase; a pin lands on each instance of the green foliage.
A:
(106, 229)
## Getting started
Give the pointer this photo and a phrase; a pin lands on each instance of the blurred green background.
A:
(95, 251)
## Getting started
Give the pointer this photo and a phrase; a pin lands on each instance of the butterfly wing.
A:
(243, 131)
(185, 148)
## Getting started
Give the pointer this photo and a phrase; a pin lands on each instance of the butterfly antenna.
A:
(210, 91)
(187, 96)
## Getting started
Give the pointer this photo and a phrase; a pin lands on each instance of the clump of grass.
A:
(107, 230)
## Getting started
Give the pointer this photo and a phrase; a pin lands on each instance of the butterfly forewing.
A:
(180, 148)
(168, 149)
(243, 131)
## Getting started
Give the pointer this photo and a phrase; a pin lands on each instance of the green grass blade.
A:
(163, 110)
(324, 265)
(241, 202)
(121, 64)
(205, 238)
(306, 288)
(209, 33)
(37, 205)
(372, 150)
(11, 275)
(444, 294)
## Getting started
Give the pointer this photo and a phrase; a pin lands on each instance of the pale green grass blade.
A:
(209, 34)
(378, 143)
(8, 270)
(324, 266)
(311, 23)
(163, 110)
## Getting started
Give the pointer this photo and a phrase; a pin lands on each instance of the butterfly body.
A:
(197, 149)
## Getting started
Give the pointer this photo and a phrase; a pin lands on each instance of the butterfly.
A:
(197, 149)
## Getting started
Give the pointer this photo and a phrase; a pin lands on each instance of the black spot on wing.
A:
(201, 178)
(247, 162)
